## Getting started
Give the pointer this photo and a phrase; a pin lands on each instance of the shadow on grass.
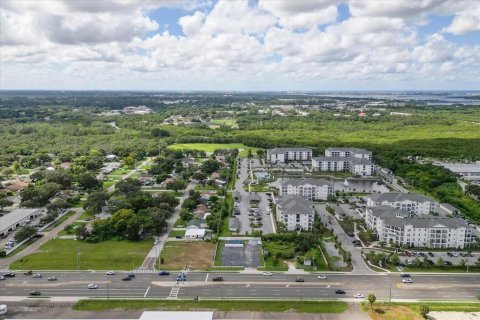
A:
(379, 311)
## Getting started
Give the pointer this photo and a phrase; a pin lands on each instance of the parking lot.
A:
(243, 204)
(246, 255)
(452, 257)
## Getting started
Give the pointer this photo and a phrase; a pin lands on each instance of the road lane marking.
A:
(146, 292)
(206, 278)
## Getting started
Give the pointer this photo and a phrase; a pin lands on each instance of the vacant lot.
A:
(61, 254)
(210, 147)
(197, 255)
(253, 306)
(384, 312)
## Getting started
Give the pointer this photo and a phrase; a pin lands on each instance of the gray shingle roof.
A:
(388, 214)
(283, 150)
(355, 150)
(397, 196)
(299, 182)
(360, 161)
(295, 204)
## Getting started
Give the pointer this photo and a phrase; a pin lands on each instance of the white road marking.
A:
(206, 278)
(146, 292)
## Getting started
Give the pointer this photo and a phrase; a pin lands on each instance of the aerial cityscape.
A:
(224, 159)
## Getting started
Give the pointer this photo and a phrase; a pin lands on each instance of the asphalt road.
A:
(237, 285)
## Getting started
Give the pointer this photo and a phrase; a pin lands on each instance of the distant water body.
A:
(430, 98)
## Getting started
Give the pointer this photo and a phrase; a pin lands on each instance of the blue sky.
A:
(240, 45)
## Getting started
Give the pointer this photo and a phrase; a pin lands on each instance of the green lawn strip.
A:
(72, 231)
(180, 222)
(61, 220)
(218, 254)
(225, 305)
(61, 254)
(210, 147)
(86, 215)
(175, 233)
(445, 306)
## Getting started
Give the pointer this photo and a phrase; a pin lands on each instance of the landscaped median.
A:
(215, 305)
(411, 311)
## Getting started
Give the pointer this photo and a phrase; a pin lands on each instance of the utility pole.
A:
(156, 257)
(390, 293)
(78, 258)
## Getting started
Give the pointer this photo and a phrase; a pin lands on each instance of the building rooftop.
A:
(360, 161)
(355, 150)
(15, 216)
(300, 182)
(283, 150)
(295, 204)
(397, 196)
(389, 215)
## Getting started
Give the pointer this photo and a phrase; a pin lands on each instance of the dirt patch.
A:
(195, 255)
(380, 312)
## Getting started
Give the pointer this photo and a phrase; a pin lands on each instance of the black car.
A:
(35, 293)
(178, 237)
(218, 279)
(351, 234)
(127, 278)
(299, 280)
(340, 291)
(405, 275)
(164, 273)
(131, 275)
(9, 275)
(430, 254)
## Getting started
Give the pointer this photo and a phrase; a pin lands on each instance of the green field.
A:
(61, 254)
(225, 305)
(226, 122)
(175, 233)
(210, 147)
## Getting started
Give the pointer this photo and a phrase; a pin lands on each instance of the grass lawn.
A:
(107, 184)
(180, 223)
(210, 147)
(226, 122)
(175, 233)
(72, 230)
(61, 220)
(226, 305)
(197, 255)
(61, 254)
(86, 215)
(446, 306)
(218, 254)
(391, 312)
(276, 248)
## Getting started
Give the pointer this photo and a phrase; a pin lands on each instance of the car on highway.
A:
(407, 280)
(131, 275)
(358, 295)
(52, 278)
(322, 277)
(127, 278)
(339, 291)
(267, 274)
(405, 275)
(37, 275)
(28, 273)
(299, 280)
(3, 309)
(164, 273)
(92, 286)
(35, 293)
(182, 276)
(217, 279)
(2, 277)
(110, 273)
(9, 275)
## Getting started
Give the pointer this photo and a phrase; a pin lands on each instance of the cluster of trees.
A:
(473, 190)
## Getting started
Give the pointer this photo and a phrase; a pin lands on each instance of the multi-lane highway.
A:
(236, 285)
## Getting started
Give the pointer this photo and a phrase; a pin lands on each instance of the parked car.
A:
(164, 273)
(405, 275)
(28, 273)
(178, 237)
(35, 293)
(351, 234)
(217, 279)
(299, 280)
(430, 254)
(37, 275)
(449, 254)
(2, 277)
(447, 263)
(339, 291)
(110, 273)
(92, 286)
(322, 277)
(358, 295)
(52, 278)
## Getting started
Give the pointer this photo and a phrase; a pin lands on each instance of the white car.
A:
(358, 295)
(110, 273)
(407, 280)
(267, 274)
(322, 277)
(92, 286)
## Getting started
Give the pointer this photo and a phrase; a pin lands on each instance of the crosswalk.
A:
(174, 292)
(144, 271)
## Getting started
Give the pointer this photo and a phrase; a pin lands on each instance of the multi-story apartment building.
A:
(282, 155)
(354, 160)
(395, 226)
(296, 212)
(411, 202)
(311, 189)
